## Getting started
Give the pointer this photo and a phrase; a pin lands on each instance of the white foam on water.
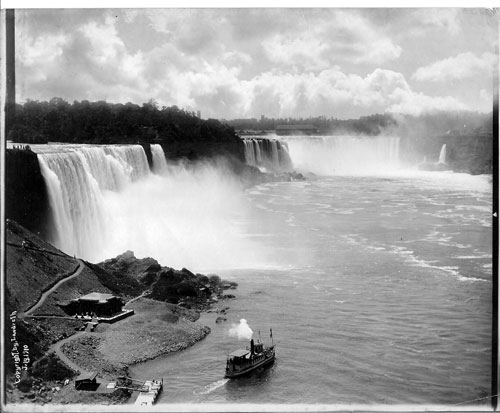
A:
(209, 388)
(471, 279)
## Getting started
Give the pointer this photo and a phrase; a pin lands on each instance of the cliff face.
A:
(26, 198)
(231, 148)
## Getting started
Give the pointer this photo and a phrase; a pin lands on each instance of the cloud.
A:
(331, 93)
(444, 18)
(485, 101)
(462, 66)
(299, 63)
(90, 62)
(319, 42)
(304, 51)
(414, 103)
(359, 39)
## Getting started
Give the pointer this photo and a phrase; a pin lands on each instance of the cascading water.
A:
(258, 153)
(77, 177)
(337, 155)
(105, 201)
(442, 155)
(250, 156)
(159, 161)
(274, 152)
(270, 154)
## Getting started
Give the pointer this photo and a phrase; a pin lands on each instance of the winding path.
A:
(44, 296)
(56, 348)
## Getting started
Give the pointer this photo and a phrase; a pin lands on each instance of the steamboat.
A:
(241, 362)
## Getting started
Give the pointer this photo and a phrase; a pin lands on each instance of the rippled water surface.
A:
(378, 290)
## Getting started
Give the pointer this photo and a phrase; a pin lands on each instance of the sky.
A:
(243, 63)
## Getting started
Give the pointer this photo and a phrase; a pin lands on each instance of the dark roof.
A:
(239, 353)
(295, 127)
(88, 375)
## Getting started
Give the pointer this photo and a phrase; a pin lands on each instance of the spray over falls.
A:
(105, 200)
(76, 179)
(339, 155)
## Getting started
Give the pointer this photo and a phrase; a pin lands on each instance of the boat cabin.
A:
(240, 361)
(238, 355)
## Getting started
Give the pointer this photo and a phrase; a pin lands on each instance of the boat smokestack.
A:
(252, 346)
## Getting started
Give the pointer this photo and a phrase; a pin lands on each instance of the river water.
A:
(377, 286)
(375, 277)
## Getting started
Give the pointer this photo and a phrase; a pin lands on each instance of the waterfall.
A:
(76, 178)
(274, 153)
(159, 160)
(284, 156)
(250, 156)
(104, 201)
(333, 155)
(442, 155)
(270, 154)
(258, 153)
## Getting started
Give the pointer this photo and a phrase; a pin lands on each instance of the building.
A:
(87, 381)
(296, 130)
(94, 303)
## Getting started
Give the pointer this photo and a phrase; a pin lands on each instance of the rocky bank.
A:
(166, 304)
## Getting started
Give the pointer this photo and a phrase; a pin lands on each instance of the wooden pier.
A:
(149, 392)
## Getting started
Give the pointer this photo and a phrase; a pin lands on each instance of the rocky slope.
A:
(167, 284)
(163, 323)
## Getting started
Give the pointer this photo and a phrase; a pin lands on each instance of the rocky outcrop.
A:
(167, 284)
(251, 175)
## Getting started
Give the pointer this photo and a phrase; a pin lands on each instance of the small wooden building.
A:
(87, 381)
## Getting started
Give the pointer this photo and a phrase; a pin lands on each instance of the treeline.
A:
(365, 125)
(103, 123)
(435, 123)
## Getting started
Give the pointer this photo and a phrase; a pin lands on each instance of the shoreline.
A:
(111, 350)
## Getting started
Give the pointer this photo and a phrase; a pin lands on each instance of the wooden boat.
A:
(241, 362)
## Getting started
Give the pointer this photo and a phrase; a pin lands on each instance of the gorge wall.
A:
(26, 197)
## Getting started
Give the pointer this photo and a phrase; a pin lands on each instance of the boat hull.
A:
(249, 369)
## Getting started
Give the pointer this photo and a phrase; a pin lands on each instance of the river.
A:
(376, 283)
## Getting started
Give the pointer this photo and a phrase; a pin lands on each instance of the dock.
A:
(149, 392)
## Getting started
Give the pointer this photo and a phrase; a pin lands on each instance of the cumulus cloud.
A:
(301, 63)
(331, 92)
(321, 43)
(462, 66)
(414, 103)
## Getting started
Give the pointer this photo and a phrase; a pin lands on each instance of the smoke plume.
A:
(242, 331)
